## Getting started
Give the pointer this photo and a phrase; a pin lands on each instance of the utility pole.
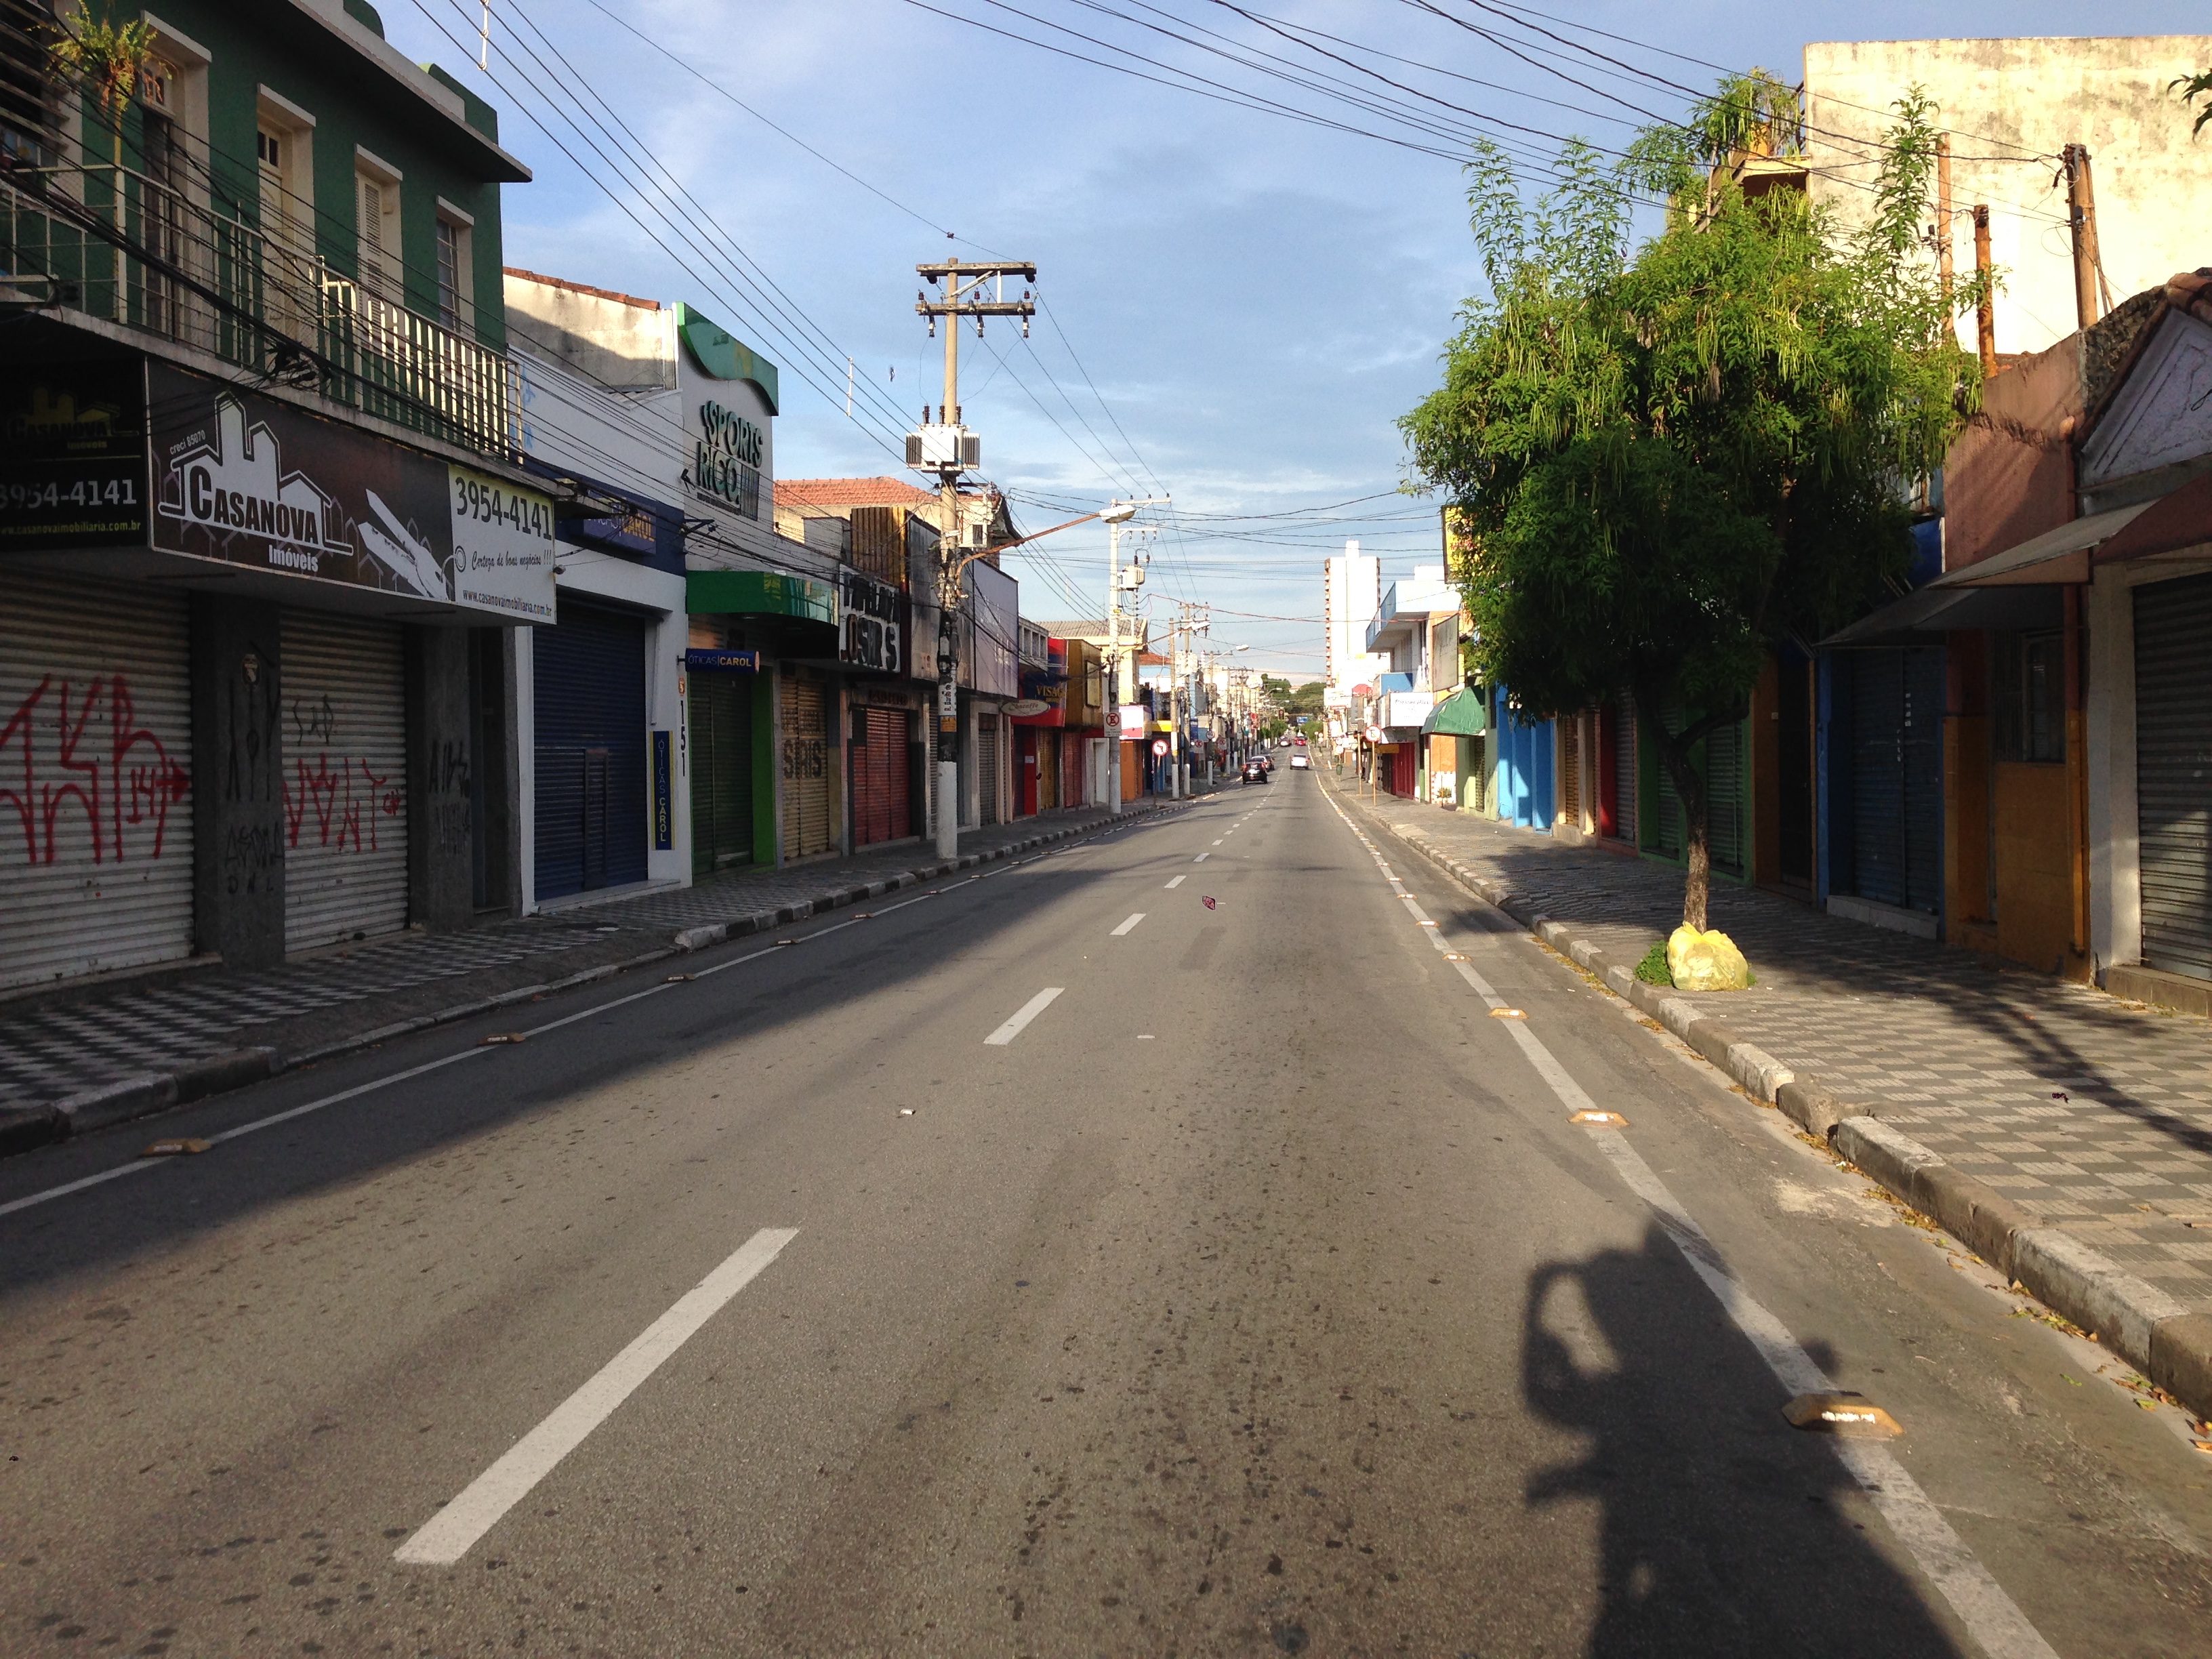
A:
(2081, 224)
(1117, 516)
(1943, 224)
(1985, 311)
(947, 449)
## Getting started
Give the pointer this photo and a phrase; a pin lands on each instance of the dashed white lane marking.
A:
(1022, 1015)
(1129, 925)
(1201, 858)
(455, 1530)
(140, 1166)
(1179, 881)
(1990, 1615)
(1218, 843)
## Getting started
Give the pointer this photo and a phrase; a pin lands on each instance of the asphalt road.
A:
(1253, 1294)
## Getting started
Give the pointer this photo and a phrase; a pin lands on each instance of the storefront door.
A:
(722, 760)
(881, 777)
(96, 764)
(2174, 772)
(589, 688)
(345, 778)
(805, 770)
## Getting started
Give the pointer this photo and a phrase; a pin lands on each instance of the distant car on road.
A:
(1299, 763)
(1255, 770)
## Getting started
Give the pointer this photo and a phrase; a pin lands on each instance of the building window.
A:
(2029, 697)
(449, 273)
(456, 251)
(376, 205)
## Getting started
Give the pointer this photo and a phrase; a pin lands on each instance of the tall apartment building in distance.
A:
(1351, 589)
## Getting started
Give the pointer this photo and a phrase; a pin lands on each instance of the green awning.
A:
(760, 593)
(1462, 715)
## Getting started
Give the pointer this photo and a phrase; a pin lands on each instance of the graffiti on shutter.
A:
(96, 779)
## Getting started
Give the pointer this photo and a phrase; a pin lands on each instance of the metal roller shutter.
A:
(2174, 772)
(1896, 778)
(1571, 769)
(986, 768)
(345, 778)
(881, 779)
(721, 771)
(1623, 772)
(1922, 758)
(95, 778)
(588, 684)
(887, 731)
(1724, 804)
(806, 805)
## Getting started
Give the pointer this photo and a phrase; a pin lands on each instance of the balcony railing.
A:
(134, 251)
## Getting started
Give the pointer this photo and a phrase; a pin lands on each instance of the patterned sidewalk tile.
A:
(2087, 1109)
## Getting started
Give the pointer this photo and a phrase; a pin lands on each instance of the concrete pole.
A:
(948, 599)
(1113, 668)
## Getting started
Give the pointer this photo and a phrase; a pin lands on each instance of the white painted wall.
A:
(2011, 106)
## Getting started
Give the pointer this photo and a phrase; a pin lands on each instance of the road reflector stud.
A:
(906, 1111)
(1456, 955)
(1608, 1120)
(863, 916)
(499, 1038)
(1428, 924)
(679, 979)
(1849, 1416)
(179, 1147)
(787, 941)
(1507, 1013)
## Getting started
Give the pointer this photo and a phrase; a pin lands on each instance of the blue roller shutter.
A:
(1896, 778)
(588, 680)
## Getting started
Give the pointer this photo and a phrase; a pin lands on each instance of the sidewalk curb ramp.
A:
(25, 1128)
(2159, 1336)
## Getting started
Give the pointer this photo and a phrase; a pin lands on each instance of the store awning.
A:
(1917, 617)
(1462, 715)
(2177, 527)
(2057, 555)
(794, 617)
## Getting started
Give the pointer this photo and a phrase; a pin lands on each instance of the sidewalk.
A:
(115, 1053)
(2051, 1108)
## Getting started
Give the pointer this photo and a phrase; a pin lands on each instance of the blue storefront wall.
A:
(1524, 792)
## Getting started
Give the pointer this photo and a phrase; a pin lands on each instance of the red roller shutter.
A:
(882, 786)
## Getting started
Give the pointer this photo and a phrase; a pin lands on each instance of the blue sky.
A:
(1237, 306)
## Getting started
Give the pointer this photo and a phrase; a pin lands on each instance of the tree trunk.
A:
(1690, 789)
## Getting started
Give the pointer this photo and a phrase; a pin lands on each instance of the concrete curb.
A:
(2157, 1335)
(23, 1128)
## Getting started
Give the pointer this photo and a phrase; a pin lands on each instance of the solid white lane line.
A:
(1028, 1012)
(1179, 881)
(1982, 1604)
(455, 1530)
(1127, 925)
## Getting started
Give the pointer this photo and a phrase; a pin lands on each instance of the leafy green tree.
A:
(1672, 454)
(2192, 87)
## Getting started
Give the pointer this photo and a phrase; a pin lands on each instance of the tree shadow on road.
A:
(1723, 1530)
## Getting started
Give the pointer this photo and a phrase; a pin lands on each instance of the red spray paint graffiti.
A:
(341, 798)
(121, 780)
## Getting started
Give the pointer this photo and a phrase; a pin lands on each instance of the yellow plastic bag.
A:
(1706, 961)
